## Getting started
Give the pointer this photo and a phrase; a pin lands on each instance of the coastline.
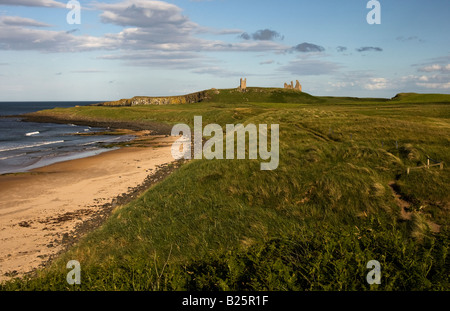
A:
(28, 145)
(154, 127)
(48, 209)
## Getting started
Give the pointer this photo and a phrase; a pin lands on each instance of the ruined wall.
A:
(291, 86)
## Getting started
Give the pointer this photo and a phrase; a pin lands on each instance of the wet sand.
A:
(41, 210)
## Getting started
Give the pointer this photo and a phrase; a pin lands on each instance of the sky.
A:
(125, 48)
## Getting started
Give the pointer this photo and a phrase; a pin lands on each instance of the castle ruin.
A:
(298, 87)
(291, 86)
(243, 86)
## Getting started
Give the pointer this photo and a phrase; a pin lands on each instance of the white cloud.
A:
(163, 59)
(226, 31)
(148, 26)
(342, 84)
(376, 84)
(145, 14)
(410, 38)
(361, 80)
(435, 67)
(218, 72)
(310, 67)
(434, 74)
(88, 71)
(21, 21)
(37, 3)
(435, 81)
(442, 86)
(21, 38)
(154, 33)
(267, 62)
(157, 25)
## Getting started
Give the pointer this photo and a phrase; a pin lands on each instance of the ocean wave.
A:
(101, 141)
(13, 156)
(91, 143)
(32, 133)
(32, 145)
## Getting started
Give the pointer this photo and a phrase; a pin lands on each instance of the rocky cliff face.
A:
(171, 100)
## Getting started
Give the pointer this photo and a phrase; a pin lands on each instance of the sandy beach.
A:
(40, 210)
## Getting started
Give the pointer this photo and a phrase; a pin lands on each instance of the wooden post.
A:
(428, 163)
(441, 165)
(407, 171)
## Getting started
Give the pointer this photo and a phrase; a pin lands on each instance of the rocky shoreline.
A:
(154, 127)
(165, 100)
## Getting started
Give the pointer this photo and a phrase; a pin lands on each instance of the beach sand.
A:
(41, 209)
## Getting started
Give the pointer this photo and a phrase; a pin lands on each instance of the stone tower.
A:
(243, 85)
(298, 86)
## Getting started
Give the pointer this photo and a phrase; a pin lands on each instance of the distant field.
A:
(312, 224)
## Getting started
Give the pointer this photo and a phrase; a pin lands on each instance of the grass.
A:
(312, 224)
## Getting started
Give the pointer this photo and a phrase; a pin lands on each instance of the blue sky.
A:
(127, 48)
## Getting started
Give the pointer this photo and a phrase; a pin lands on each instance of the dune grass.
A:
(312, 224)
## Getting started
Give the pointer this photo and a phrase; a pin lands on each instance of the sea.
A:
(28, 145)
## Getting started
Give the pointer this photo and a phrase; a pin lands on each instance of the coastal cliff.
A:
(169, 100)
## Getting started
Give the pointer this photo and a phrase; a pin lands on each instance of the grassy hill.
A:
(261, 95)
(312, 224)
(421, 98)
